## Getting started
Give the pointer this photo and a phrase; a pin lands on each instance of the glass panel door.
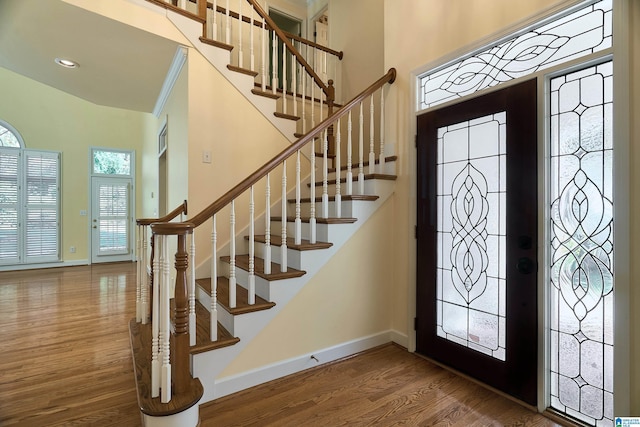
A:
(111, 223)
(477, 238)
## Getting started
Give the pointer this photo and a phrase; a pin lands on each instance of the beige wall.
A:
(50, 119)
(419, 32)
(356, 28)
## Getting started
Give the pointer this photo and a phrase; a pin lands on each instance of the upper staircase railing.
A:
(299, 72)
(353, 127)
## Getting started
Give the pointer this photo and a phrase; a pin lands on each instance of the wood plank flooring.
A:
(386, 386)
(65, 358)
(65, 361)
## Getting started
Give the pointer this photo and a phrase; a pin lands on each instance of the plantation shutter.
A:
(9, 203)
(41, 213)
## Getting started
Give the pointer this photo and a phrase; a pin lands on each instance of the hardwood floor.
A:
(386, 386)
(65, 361)
(65, 356)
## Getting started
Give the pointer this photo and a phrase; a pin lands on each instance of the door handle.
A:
(525, 265)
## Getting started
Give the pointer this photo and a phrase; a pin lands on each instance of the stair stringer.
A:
(220, 58)
(207, 366)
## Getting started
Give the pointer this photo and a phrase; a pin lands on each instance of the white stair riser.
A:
(295, 258)
(305, 208)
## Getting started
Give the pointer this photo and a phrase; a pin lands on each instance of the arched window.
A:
(29, 202)
(9, 136)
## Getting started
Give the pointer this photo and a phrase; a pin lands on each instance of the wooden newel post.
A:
(182, 375)
(331, 97)
(180, 372)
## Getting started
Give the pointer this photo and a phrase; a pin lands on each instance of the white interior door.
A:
(111, 223)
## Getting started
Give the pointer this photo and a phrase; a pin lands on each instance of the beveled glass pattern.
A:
(471, 197)
(580, 33)
(582, 244)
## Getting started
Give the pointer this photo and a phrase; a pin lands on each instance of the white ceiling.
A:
(120, 66)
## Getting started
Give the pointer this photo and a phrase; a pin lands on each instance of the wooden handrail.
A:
(236, 191)
(168, 217)
(247, 20)
(339, 55)
(289, 45)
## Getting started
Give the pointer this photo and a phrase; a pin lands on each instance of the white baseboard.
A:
(399, 338)
(16, 267)
(235, 383)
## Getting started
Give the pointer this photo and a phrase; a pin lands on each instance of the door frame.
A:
(132, 202)
(622, 213)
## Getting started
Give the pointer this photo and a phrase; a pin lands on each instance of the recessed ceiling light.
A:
(67, 63)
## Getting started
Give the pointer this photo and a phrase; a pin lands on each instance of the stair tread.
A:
(305, 245)
(216, 43)
(241, 70)
(242, 261)
(355, 178)
(318, 220)
(265, 93)
(140, 337)
(286, 116)
(203, 341)
(345, 198)
(242, 297)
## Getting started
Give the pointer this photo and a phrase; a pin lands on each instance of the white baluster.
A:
(338, 201)
(274, 62)
(324, 67)
(145, 277)
(155, 319)
(139, 274)
(165, 326)
(298, 221)
(263, 53)
(372, 154)
(251, 50)
(252, 236)
(240, 50)
(182, 4)
(294, 83)
(214, 28)
(313, 108)
(304, 100)
(312, 206)
(361, 154)
(284, 78)
(349, 178)
(213, 324)
(325, 175)
(267, 233)
(232, 254)
(228, 25)
(382, 167)
(192, 290)
(283, 244)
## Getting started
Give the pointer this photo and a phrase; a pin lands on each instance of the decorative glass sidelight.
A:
(471, 264)
(581, 246)
(577, 34)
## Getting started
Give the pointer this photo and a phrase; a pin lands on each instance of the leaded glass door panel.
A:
(477, 238)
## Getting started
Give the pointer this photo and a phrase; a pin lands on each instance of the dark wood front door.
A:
(477, 238)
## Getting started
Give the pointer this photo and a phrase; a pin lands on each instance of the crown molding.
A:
(170, 80)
